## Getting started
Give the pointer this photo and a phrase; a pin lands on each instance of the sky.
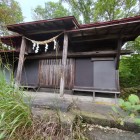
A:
(28, 5)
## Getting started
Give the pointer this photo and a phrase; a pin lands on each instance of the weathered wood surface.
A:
(117, 80)
(91, 89)
(20, 62)
(50, 73)
(64, 61)
(118, 54)
(78, 54)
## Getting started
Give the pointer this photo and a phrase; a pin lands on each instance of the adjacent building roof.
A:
(127, 29)
(13, 40)
(45, 26)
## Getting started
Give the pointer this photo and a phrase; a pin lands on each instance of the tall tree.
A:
(102, 10)
(114, 9)
(10, 12)
(83, 7)
(51, 10)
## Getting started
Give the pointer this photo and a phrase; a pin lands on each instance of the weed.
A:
(15, 114)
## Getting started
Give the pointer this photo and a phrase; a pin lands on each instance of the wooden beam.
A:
(97, 38)
(118, 54)
(43, 31)
(102, 59)
(64, 60)
(78, 54)
(20, 62)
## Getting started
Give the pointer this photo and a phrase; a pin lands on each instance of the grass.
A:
(15, 114)
(18, 123)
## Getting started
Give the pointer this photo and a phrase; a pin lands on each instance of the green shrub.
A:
(130, 71)
(125, 92)
(132, 106)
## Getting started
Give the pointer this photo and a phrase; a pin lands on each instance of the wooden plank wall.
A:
(50, 73)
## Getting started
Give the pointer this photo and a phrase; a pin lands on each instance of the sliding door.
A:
(104, 75)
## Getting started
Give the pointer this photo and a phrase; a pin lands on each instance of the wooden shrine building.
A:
(61, 53)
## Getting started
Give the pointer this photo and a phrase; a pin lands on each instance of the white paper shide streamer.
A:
(37, 48)
(34, 44)
(46, 47)
(45, 42)
(54, 44)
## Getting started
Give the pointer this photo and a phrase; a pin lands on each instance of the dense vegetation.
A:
(10, 12)
(130, 71)
(89, 10)
(15, 114)
(132, 107)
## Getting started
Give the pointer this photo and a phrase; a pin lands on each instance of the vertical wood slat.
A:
(50, 73)
(20, 62)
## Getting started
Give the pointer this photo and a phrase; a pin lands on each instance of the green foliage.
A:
(103, 10)
(10, 12)
(132, 106)
(133, 99)
(83, 7)
(130, 71)
(134, 45)
(127, 105)
(51, 10)
(121, 102)
(15, 114)
(88, 11)
(125, 92)
(114, 9)
(137, 121)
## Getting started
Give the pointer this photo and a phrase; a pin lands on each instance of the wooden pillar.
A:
(117, 80)
(118, 54)
(20, 62)
(64, 60)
